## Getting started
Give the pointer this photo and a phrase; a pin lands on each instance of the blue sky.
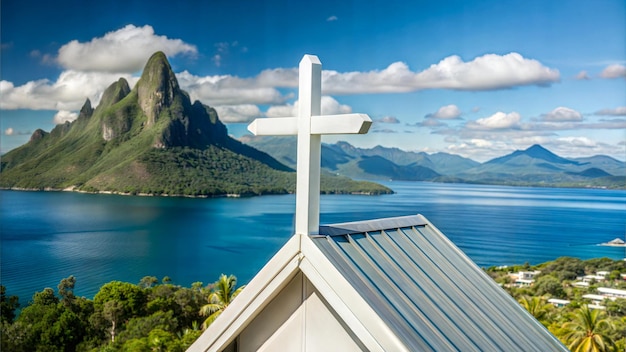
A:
(474, 78)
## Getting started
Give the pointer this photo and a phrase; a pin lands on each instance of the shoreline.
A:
(130, 194)
(73, 189)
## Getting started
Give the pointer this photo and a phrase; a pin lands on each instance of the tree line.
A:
(155, 315)
(148, 316)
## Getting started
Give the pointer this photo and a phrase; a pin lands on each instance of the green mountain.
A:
(535, 166)
(152, 140)
(378, 163)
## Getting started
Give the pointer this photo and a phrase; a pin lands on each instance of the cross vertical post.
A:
(309, 126)
(308, 169)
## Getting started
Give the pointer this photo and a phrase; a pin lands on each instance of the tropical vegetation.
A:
(148, 316)
(581, 325)
(155, 315)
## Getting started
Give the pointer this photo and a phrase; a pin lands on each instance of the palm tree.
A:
(222, 294)
(537, 306)
(589, 331)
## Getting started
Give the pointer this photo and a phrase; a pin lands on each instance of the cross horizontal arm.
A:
(340, 124)
(326, 124)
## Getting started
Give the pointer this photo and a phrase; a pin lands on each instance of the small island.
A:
(618, 242)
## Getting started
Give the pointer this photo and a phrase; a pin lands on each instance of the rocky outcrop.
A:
(86, 111)
(157, 87)
(113, 94)
(39, 134)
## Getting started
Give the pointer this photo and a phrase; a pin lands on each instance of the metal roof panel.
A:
(427, 290)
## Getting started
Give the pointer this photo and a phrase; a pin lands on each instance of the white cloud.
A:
(614, 71)
(578, 141)
(479, 149)
(64, 116)
(499, 120)
(238, 113)
(9, 131)
(332, 18)
(74, 86)
(488, 72)
(329, 106)
(69, 92)
(446, 112)
(619, 111)
(231, 90)
(562, 114)
(124, 50)
(388, 119)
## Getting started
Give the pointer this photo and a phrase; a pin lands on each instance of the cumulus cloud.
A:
(91, 61)
(329, 106)
(487, 72)
(332, 18)
(499, 120)
(9, 131)
(619, 111)
(238, 113)
(388, 119)
(232, 90)
(64, 116)
(124, 50)
(69, 92)
(446, 112)
(614, 71)
(562, 114)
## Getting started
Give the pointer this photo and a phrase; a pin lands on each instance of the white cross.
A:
(309, 126)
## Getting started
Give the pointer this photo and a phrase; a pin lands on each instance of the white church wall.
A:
(288, 324)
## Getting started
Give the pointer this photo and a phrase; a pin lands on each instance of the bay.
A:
(47, 236)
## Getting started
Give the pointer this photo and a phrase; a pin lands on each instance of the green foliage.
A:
(564, 268)
(589, 331)
(121, 317)
(8, 305)
(153, 316)
(549, 285)
(223, 292)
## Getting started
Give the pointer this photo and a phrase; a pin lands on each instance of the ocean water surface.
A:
(47, 236)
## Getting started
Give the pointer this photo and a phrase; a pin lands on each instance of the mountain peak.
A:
(86, 111)
(114, 94)
(535, 151)
(538, 152)
(157, 86)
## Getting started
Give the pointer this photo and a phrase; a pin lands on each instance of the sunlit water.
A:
(46, 236)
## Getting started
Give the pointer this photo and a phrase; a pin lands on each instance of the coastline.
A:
(225, 195)
(73, 189)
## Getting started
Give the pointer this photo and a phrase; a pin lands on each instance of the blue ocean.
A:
(47, 236)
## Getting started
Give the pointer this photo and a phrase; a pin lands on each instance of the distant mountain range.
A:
(535, 166)
(152, 140)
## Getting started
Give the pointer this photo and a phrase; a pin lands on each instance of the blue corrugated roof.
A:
(427, 290)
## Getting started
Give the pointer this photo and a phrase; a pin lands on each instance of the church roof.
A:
(397, 284)
(427, 290)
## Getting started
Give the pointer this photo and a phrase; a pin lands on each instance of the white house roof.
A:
(397, 284)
